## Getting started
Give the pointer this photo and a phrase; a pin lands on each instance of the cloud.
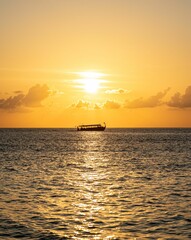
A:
(12, 102)
(150, 102)
(81, 104)
(33, 98)
(56, 92)
(18, 92)
(35, 95)
(116, 91)
(181, 101)
(111, 105)
(97, 107)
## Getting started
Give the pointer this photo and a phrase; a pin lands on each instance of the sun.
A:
(91, 81)
(91, 85)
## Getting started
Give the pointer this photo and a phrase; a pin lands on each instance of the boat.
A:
(91, 127)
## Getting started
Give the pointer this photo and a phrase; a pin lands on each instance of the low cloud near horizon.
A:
(81, 104)
(150, 102)
(111, 105)
(33, 98)
(176, 101)
(181, 101)
(36, 94)
(116, 91)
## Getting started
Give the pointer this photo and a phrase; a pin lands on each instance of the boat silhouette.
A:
(91, 127)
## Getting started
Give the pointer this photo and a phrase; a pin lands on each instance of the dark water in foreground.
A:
(117, 184)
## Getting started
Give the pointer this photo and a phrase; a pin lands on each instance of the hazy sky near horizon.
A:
(66, 62)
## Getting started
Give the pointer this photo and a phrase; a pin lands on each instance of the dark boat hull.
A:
(92, 129)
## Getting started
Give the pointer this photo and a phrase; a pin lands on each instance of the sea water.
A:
(116, 184)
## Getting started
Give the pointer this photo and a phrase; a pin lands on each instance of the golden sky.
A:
(123, 62)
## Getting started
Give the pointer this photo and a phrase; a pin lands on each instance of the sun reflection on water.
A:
(102, 185)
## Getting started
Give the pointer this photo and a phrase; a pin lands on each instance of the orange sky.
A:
(123, 62)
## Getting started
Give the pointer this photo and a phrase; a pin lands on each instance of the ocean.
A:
(116, 184)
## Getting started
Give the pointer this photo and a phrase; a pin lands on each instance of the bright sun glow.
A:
(91, 85)
(91, 81)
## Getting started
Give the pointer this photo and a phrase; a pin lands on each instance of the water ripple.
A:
(119, 184)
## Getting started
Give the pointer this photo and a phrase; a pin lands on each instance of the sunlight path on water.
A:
(116, 184)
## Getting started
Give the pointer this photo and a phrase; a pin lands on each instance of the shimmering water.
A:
(117, 184)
